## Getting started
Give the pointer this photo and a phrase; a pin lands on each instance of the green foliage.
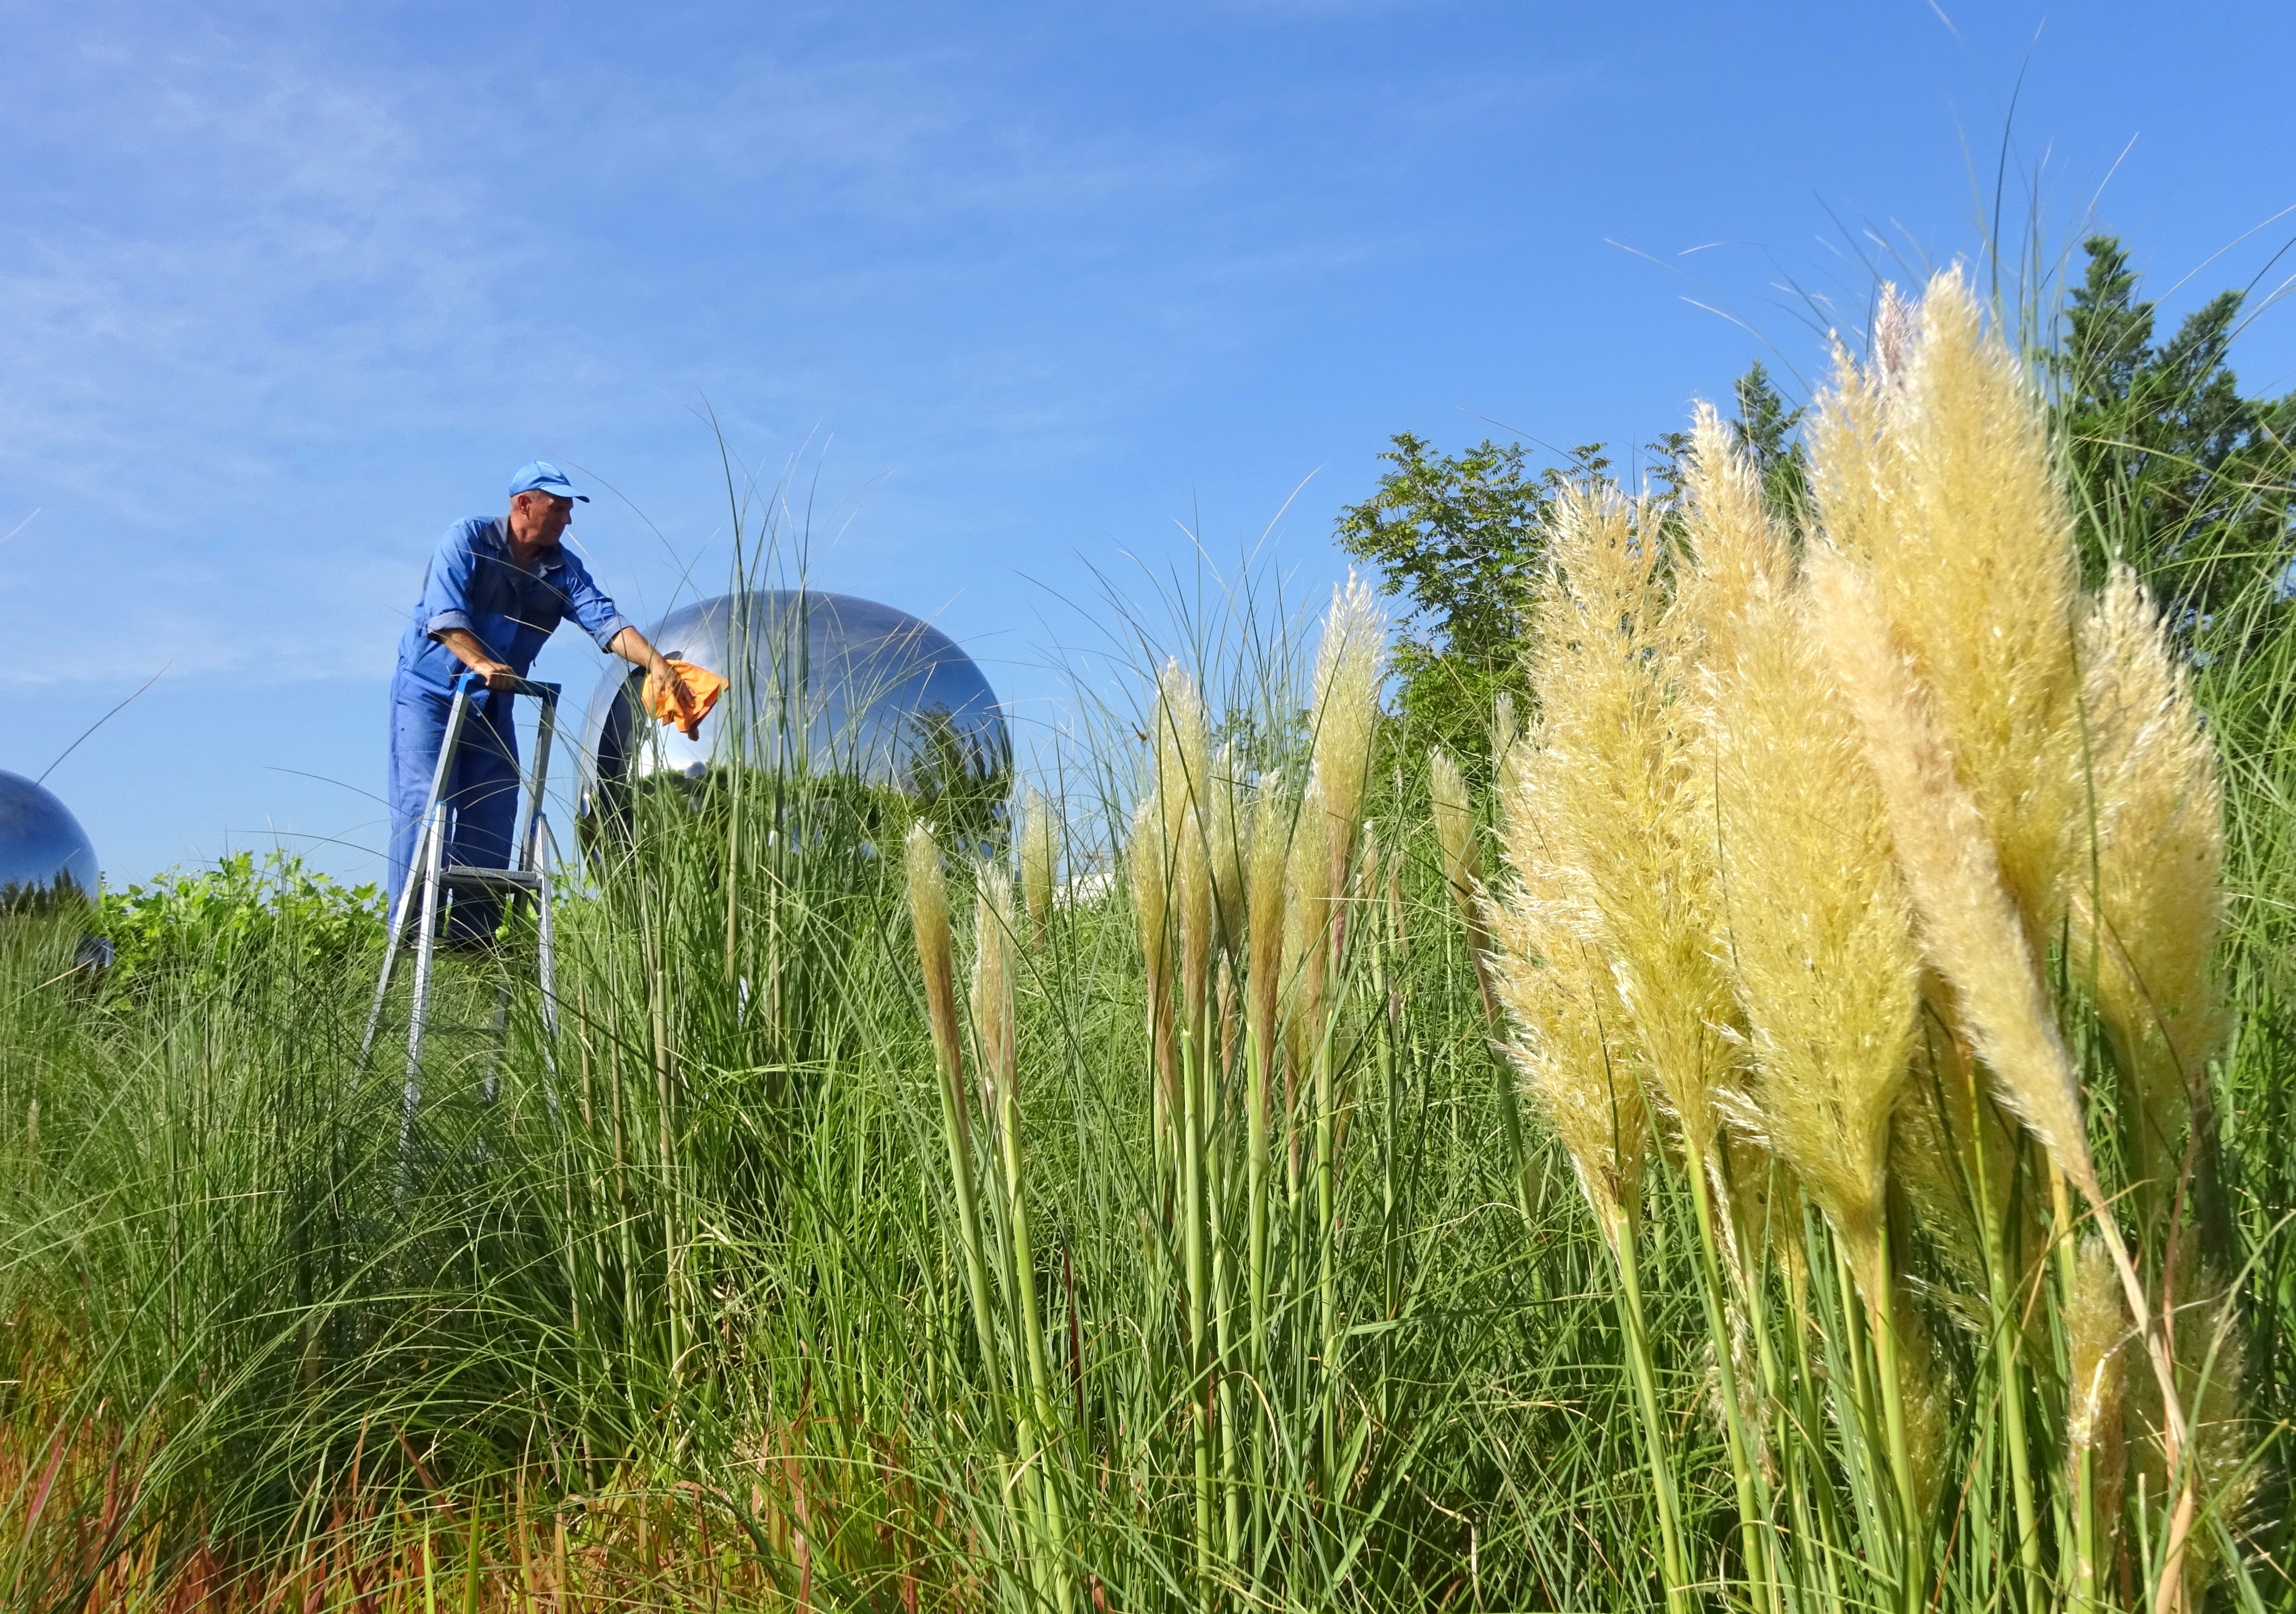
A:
(207, 921)
(1765, 427)
(1458, 537)
(2175, 469)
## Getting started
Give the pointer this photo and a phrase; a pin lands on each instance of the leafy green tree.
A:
(1765, 428)
(2171, 465)
(1457, 538)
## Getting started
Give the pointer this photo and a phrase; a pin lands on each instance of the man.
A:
(495, 590)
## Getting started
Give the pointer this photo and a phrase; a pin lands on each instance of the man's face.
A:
(541, 517)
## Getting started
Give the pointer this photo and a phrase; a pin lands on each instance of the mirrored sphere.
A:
(45, 857)
(821, 682)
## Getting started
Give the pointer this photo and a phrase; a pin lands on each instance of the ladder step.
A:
(500, 879)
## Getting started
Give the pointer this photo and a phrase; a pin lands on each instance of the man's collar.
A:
(544, 560)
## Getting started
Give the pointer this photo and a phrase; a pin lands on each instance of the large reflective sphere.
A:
(45, 857)
(822, 682)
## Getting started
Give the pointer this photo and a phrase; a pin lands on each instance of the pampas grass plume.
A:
(1970, 929)
(992, 988)
(1306, 922)
(1559, 994)
(1263, 899)
(1819, 933)
(2149, 907)
(1226, 837)
(2096, 1328)
(1349, 663)
(1454, 824)
(1936, 476)
(928, 916)
(1619, 777)
(1038, 861)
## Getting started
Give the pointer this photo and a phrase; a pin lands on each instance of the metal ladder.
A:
(429, 875)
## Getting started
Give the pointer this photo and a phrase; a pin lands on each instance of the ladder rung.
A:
(506, 880)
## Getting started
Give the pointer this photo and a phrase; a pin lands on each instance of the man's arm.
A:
(472, 652)
(631, 646)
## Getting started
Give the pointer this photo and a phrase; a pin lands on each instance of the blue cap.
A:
(540, 476)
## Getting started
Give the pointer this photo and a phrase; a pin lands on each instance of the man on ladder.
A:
(497, 589)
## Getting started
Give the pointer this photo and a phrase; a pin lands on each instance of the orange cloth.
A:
(702, 687)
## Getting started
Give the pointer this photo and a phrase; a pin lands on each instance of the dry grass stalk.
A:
(2148, 908)
(1932, 470)
(1039, 861)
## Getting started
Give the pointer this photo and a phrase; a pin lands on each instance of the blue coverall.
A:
(474, 585)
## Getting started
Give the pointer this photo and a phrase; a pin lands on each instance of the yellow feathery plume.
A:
(1925, 1394)
(1970, 929)
(2096, 1328)
(1741, 558)
(2096, 1395)
(2148, 911)
(1454, 824)
(1455, 832)
(1038, 861)
(1368, 862)
(1349, 665)
(929, 917)
(1559, 992)
(1226, 834)
(1182, 770)
(1933, 471)
(1263, 899)
(1183, 753)
(1616, 768)
(1307, 904)
(1505, 730)
(1152, 888)
(1819, 934)
(992, 989)
(1191, 892)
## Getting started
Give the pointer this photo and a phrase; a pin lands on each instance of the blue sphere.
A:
(821, 684)
(45, 859)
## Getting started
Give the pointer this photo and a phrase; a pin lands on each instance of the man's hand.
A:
(689, 721)
(472, 652)
(631, 645)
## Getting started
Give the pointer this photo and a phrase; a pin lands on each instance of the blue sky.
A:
(1023, 294)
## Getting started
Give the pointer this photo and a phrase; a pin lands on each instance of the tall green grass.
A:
(693, 1313)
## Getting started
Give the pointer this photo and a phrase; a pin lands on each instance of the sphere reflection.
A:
(45, 859)
(821, 684)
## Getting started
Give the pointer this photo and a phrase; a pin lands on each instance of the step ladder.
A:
(430, 877)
